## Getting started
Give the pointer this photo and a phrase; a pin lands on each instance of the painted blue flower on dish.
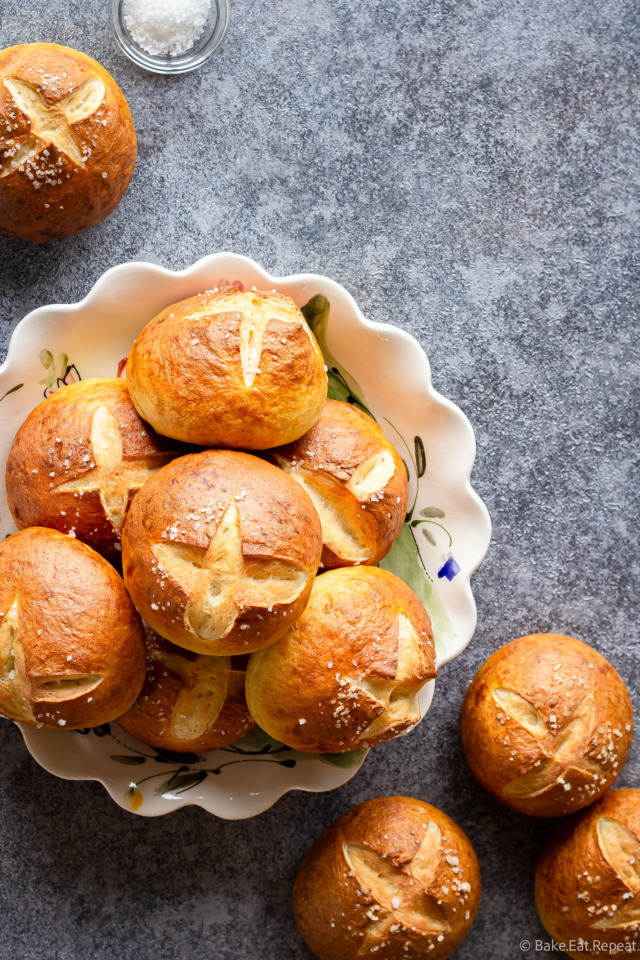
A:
(449, 569)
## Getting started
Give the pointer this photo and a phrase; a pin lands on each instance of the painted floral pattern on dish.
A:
(189, 770)
(58, 372)
(404, 559)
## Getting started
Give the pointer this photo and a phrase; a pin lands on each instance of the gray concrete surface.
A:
(469, 170)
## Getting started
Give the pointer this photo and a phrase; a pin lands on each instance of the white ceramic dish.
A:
(376, 365)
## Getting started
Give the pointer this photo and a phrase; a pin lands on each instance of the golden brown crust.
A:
(588, 879)
(219, 552)
(547, 725)
(189, 702)
(357, 481)
(348, 673)
(67, 142)
(71, 644)
(79, 458)
(229, 369)
(393, 878)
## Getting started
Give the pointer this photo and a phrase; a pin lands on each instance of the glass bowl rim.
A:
(184, 63)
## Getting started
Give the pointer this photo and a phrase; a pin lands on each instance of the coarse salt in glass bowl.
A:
(209, 40)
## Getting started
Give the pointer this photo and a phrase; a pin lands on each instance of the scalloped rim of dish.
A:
(418, 356)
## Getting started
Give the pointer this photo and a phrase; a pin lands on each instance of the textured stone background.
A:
(469, 170)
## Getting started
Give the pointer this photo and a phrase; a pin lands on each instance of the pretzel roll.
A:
(67, 142)
(219, 552)
(393, 878)
(71, 644)
(229, 369)
(79, 458)
(356, 480)
(546, 725)
(587, 884)
(348, 673)
(189, 702)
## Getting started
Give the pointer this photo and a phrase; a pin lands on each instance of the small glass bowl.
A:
(210, 39)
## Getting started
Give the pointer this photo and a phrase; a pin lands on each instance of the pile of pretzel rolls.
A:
(196, 538)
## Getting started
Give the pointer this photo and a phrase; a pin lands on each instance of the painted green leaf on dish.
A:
(12, 390)
(429, 536)
(181, 782)
(431, 512)
(337, 388)
(421, 459)
(316, 313)
(342, 386)
(257, 741)
(404, 561)
(128, 759)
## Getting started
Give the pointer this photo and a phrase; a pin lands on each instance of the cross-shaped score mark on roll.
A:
(561, 754)
(13, 682)
(342, 538)
(255, 314)
(401, 894)
(621, 849)
(219, 581)
(203, 692)
(17, 690)
(52, 124)
(253, 324)
(113, 477)
(396, 697)
(371, 476)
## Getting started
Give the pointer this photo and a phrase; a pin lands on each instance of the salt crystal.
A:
(166, 27)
